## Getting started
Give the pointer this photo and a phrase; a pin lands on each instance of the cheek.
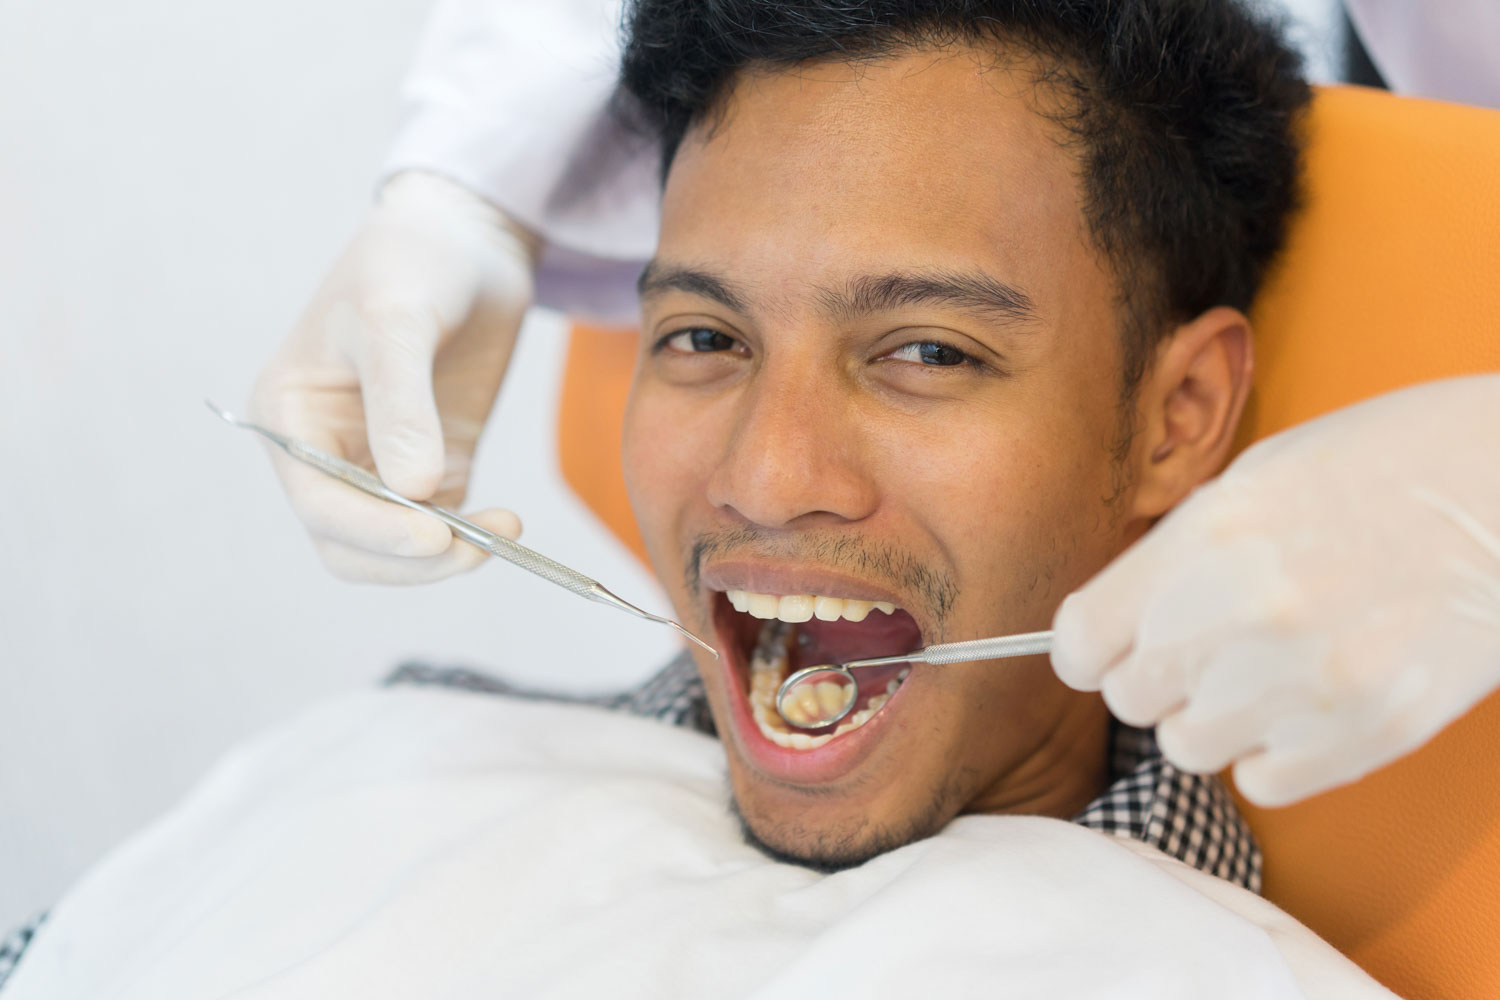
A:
(667, 458)
(648, 466)
(1006, 711)
(988, 472)
(1015, 495)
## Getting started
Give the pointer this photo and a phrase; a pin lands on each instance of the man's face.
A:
(880, 362)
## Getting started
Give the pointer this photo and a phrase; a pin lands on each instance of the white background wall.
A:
(174, 178)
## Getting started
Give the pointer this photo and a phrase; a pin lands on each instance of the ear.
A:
(1188, 406)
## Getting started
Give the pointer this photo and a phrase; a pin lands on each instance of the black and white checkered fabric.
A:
(1188, 816)
(12, 946)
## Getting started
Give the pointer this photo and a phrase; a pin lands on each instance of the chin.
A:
(826, 845)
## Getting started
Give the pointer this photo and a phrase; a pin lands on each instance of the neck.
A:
(1060, 776)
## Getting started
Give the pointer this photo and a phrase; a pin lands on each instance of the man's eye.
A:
(932, 354)
(699, 340)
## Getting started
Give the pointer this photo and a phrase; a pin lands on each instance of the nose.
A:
(797, 452)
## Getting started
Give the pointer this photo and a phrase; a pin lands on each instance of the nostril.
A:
(803, 509)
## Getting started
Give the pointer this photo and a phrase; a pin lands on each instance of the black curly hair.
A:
(1185, 114)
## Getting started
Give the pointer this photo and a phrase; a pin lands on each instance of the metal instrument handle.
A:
(512, 552)
(1026, 644)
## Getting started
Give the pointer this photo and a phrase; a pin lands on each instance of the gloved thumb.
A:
(401, 414)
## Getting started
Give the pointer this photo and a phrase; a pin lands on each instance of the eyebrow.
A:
(971, 291)
(658, 278)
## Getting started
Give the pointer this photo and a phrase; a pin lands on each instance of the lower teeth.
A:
(768, 668)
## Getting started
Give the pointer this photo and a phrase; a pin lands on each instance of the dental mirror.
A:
(819, 696)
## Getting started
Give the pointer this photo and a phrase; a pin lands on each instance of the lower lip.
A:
(817, 766)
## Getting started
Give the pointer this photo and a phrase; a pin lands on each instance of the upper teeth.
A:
(801, 607)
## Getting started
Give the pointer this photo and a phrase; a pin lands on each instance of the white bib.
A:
(414, 843)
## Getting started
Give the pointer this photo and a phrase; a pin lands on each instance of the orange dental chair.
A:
(1392, 277)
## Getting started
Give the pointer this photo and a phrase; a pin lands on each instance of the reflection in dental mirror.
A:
(817, 696)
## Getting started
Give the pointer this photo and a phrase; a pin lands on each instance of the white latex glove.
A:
(1325, 606)
(395, 366)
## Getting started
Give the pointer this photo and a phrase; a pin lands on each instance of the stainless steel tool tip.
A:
(222, 414)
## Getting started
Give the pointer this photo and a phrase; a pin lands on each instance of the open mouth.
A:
(769, 636)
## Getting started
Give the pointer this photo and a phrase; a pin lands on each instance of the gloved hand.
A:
(395, 365)
(1325, 606)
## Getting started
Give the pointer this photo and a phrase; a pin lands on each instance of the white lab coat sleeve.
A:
(512, 100)
(1443, 49)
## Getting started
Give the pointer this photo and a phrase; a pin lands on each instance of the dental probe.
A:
(812, 710)
(512, 552)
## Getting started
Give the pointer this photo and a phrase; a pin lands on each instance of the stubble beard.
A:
(827, 851)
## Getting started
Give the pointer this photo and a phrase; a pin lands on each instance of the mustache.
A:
(857, 556)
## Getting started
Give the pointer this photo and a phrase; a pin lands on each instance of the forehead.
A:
(927, 159)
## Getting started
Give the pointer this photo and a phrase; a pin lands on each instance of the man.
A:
(946, 311)
(399, 357)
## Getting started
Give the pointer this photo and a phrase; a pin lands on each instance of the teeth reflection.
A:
(831, 697)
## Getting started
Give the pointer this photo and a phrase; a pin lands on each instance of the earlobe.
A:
(1189, 406)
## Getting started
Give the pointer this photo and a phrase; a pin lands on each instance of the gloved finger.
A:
(1232, 702)
(1207, 742)
(1147, 685)
(1271, 778)
(1314, 751)
(361, 566)
(401, 413)
(336, 512)
(1095, 627)
(328, 508)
